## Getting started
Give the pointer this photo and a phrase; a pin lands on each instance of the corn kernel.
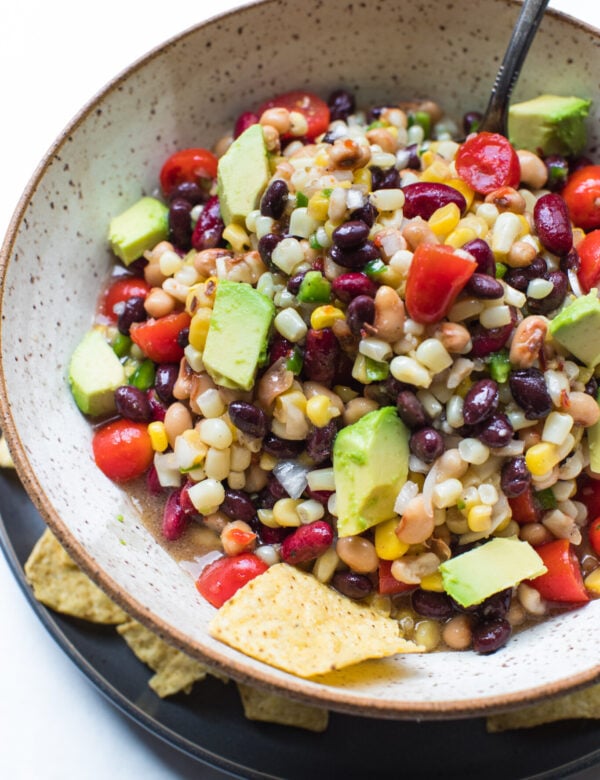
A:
(480, 518)
(460, 236)
(362, 176)
(325, 316)
(158, 436)
(387, 544)
(237, 237)
(267, 462)
(428, 157)
(444, 220)
(322, 159)
(541, 458)
(285, 512)
(525, 228)
(266, 517)
(433, 582)
(464, 189)
(438, 171)
(320, 411)
(199, 325)
(318, 206)
(592, 581)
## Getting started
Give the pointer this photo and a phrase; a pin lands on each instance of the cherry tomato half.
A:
(563, 580)
(436, 276)
(187, 165)
(315, 110)
(582, 194)
(122, 450)
(157, 338)
(388, 584)
(588, 250)
(222, 578)
(594, 535)
(123, 288)
(487, 161)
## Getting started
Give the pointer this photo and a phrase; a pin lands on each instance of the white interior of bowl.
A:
(55, 256)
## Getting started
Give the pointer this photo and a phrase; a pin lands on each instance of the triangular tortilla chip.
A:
(580, 704)
(271, 708)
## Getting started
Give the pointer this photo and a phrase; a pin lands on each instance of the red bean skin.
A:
(553, 224)
(307, 542)
(423, 198)
(351, 285)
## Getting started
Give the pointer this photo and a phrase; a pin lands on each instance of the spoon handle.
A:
(496, 114)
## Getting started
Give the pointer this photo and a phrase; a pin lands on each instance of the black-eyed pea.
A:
(534, 172)
(527, 341)
(389, 314)
(358, 553)
(583, 408)
(177, 420)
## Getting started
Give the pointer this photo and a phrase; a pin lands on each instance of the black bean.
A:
(570, 262)
(413, 160)
(319, 442)
(558, 171)
(132, 403)
(274, 200)
(250, 419)
(183, 337)
(180, 223)
(164, 380)
(410, 410)
(294, 282)
(484, 286)
(591, 387)
(351, 234)
(281, 448)
(384, 178)
(355, 258)
(481, 401)
(360, 310)
(366, 213)
(133, 311)
(471, 121)
(426, 444)
(432, 604)
(484, 257)
(491, 635)
(351, 584)
(497, 431)
(517, 278)
(190, 191)
(341, 105)
(266, 245)
(515, 477)
(555, 297)
(528, 388)
(495, 606)
(238, 506)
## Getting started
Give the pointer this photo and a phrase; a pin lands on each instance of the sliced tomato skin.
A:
(221, 579)
(122, 450)
(119, 291)
(157, 338)
(314, 109)
(582, 195)
(187, 165)
(388, 584)
(563, 581)
(588, 250)
(487, 161)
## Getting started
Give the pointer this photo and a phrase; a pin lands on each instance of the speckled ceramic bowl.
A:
(55, 256)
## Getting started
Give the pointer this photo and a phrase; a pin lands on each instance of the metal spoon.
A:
(495, 119)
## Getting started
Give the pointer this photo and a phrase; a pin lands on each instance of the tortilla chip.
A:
(581, 704)
(290, 620)
(271, 708)
(58, 583)
(6, 461)
(175, 671)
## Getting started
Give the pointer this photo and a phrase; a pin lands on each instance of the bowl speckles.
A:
(186, 93)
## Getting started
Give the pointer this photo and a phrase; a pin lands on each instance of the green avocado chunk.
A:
(95, 372)
(552, 124)
(577, 328)
(370, 465)
(498, 564)
(138, 228)
(242, 175)
(237, 334)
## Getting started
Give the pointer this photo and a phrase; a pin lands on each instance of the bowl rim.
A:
(339, 699)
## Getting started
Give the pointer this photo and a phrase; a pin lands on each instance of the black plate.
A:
(209, 724)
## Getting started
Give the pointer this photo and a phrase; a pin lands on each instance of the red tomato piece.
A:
(588, 250)
(388, 584)
(187, 165)
(222, 578)
(122, 450)
(487, 161)
(582, 194)
(594, 535)
(563, 580)
(525, 508)
(120, 290)
(588, 492)
(157, 338)
(315, 110)
(436, 276)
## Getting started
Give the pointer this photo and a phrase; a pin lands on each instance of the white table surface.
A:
(54, 56)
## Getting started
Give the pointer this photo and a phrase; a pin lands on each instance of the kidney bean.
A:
(413, 160)
(208, 230)
(484, 257)
(384, 178)
(487, 340)
(356, 257)
(351, 584)
(322, 496)
(481, 401)
(280, 348)
(133, 311)
(282, 448)
(274, 200)
(553, 224)
(555, 297)
(515, 477)
(497, 431)
(410, 410)
(351, 234)
(319, 442)
(432, 604)
(243, 122)
(351, 285)
(360, 310)
(158, 408)
(250, 419)
(266, 245)
(366, 213)
(426, 444)
(423, 198)
(268, 535)
(528, 388)
(484, 286)
(495, 606)
(180, 223)
(471, 121)
(341, 104)
(164, 380)
(190, 191)
(307, 542)
(238, 506)
(152, 482)
(321, 353)
(175, 520)
(491, 635)
(558, 171)
(132, 403)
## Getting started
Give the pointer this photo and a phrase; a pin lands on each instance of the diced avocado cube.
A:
(95, 372)
(577, 328)
(370, 465)
(498, 564)
(138, 229)
(237, 334)
(550, 123)
(242, 175)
